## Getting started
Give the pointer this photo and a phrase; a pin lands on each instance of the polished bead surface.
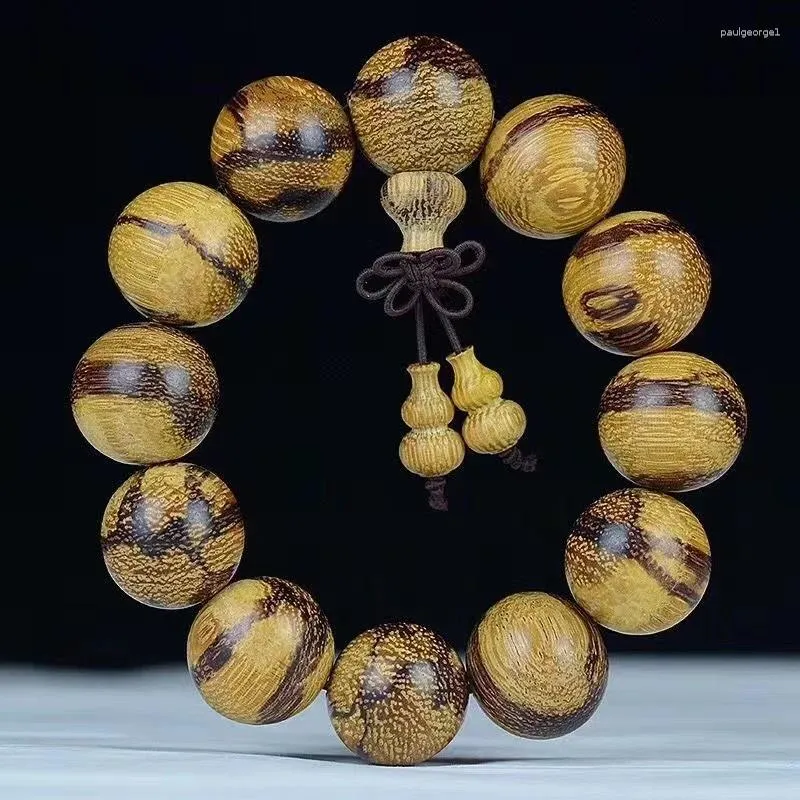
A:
(144, 393)
(537, 665)
(672, 421)
(183, 254)
(421, 103)
(553, 166)
(260, 651)
(638, 561)
(172, 535)
(636, 283)
(397, 694)
(282, 148)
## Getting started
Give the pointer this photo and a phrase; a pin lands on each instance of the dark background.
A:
(313, 377)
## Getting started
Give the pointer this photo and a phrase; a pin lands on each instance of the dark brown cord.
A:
(411, 279)
(514, 458)
(436, 496)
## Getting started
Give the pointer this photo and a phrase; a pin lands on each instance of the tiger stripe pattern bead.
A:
(282, 148)
(397, 694)
(172, 535)
(183, 254)
(638, 561)
(672, 421)
(537, 665)
(553, 166)
(421, 103)
(144, 393)
(636, 283)
(260, 651)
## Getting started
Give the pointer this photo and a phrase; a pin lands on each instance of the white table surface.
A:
(668, 728)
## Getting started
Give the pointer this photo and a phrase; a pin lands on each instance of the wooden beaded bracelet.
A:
(637, 560)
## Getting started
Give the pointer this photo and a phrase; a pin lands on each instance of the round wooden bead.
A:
(172, 535)
(421, 103)
(397, 694)
(537, 665)
(144, 393)
(638, 561)
(672, 421)
(183, 254)
(260, 651)
(636, 283)
(282, 148)
(553, 166)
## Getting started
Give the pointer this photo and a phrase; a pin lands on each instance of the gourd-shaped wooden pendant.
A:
(430, 449)
(493, 425)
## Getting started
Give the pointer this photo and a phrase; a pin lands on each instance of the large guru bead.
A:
(144, 393)
(183, 254)
(430, 449)
(537, 665)
(553, 166)
(172, 535)
(397, 694)
(638, 561)
(421, 103)
(493, 424)
(636, 283)
(672, 421)
(260, 651)
(282, 148)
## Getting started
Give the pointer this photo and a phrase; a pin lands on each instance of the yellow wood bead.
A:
(144, 393)
(397, 694)
(282, 148)
(260, 651)
(638, 561)
(183, 254)
(672, 421)
(421, 103)
(430, 449)
(172, 535)
(553, 166)
(636, 283)
(493, 424)
(537, 665)
(423, 204)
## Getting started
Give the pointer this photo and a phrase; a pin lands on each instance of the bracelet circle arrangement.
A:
(637, 561)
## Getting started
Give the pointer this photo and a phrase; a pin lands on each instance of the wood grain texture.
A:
(431, 448)
(260, 651)
(537, 665)
(183, 254)
(493, 424)
(282, 148)
(421, 103)
(423, 204)
(172, 535)
(638, 561)
(553, 166)
(672, 421)
(397, 694)
(144, 393)
(636, 283)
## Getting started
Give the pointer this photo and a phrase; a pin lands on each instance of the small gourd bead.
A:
(430, 449)
(493, 424)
